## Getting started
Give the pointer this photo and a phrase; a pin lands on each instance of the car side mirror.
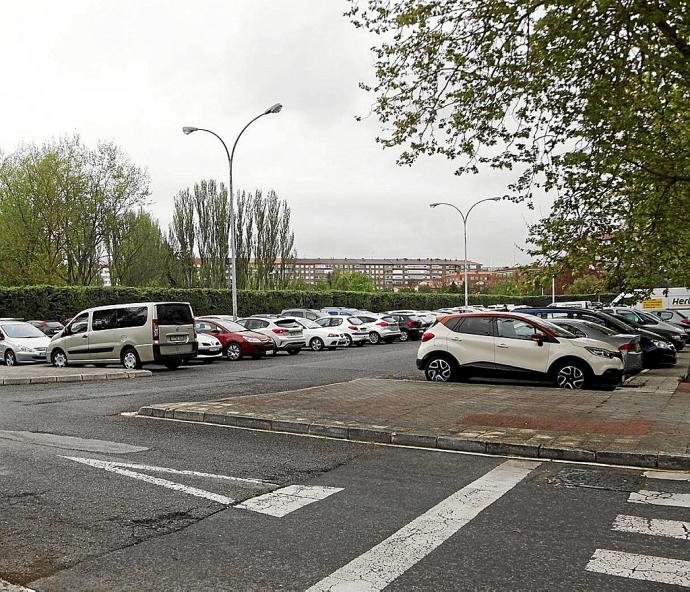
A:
(539, 338)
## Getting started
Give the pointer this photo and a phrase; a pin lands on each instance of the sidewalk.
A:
(644, 423)
(42, 374)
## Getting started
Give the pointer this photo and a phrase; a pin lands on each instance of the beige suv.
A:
(127, 334)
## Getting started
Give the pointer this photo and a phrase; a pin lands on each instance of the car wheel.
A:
(233, 352)
(10, 358)
(439, 369)
(374, 338)
(316, 344)
(130, 359)
(404, 336)
(294, 352)
(349, 340)
(172, 364)
(570, 375)
(58, 359)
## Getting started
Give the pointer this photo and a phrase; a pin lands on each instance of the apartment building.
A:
(386, 273)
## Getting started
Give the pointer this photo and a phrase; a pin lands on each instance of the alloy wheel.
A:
(404, 336)
(59, 359)
(438, 370)
(374, 338)
(316, 344)
(10, 358)
(349, 340)
(233, 352)
(570, 377)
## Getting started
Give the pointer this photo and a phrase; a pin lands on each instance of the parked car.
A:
(317, 337)
(676, 317)
(127, 334)
(287, 335)
(236, 340)
(22, 342)
(628, 344)
(512, 343)
(427, 317)
(656, 350)
(49, 328)
(381, 328)
(638, 318)
(354, 330)
(411, 326)
(209, 347)
(305, 313)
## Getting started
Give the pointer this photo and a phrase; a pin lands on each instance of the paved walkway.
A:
(644, 423)
(42, 374)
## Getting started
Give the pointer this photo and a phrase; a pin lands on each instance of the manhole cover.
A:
(596, 480)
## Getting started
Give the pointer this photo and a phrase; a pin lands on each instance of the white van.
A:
(127, 334)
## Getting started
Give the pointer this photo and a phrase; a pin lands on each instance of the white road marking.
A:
(674, 529)
(660, 498)
(7, 587)
(668, 475)
(114, 468)
(281, 502)
(378, 567)
(155, 469)
(640, 567)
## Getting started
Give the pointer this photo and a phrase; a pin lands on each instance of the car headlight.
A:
(333, 335)
(603, 353)
(24, 348)
(661, 344)
(253, 340)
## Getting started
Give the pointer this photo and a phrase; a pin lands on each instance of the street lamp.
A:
(464, 226)
(233, 267)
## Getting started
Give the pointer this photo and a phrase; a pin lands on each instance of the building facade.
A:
(386, 273)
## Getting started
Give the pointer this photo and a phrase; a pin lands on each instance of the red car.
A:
(237, 341)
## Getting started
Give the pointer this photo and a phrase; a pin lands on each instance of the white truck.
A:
(660, 298)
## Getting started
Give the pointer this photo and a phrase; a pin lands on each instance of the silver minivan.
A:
(127, 334)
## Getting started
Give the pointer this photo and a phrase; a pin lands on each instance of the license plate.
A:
(177, 338)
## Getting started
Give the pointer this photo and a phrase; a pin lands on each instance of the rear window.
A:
(288, 324)
(174, 314)
(355, 320)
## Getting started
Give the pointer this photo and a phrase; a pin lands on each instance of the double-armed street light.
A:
(233, 271)
(464, 226)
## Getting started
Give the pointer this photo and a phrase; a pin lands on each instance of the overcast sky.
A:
(135, 72)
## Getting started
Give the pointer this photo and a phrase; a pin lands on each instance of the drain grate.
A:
(592, 479)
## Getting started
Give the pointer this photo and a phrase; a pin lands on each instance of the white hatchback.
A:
(354, 330)
(512, 343)
(317, 337)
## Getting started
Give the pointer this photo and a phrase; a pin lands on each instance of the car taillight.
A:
(685, 321)
(627, 347)
(154, 329)
(427, 337)
(410, 324)
(382, 324)
(279, 331)
(352, 328)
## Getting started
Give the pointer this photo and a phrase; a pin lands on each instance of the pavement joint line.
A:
(425, 448)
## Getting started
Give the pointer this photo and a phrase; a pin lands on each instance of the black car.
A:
(642, 320)
(411, 327)
(656, 350)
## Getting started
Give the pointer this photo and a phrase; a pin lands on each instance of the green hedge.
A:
(50, 302)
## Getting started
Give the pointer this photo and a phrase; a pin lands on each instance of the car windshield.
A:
(555, 329)
(309, 324)
(22, 331)
(231, 326)
(649, 317)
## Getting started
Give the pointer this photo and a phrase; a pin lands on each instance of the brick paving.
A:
(645, 423)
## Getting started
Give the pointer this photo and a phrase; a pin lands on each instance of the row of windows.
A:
(484, 326)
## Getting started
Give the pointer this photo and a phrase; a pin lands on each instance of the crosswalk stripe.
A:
(282, 501)
(668, 475)
(660, 498)
(674, 529)
(374, 570)
(640, 567)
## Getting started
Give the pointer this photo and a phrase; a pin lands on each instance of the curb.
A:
(644, 459)
(118, 375)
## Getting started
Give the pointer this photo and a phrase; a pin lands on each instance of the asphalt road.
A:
(94, 500)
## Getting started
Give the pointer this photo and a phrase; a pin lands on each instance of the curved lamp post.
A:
(233, 271)
(464, 227)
